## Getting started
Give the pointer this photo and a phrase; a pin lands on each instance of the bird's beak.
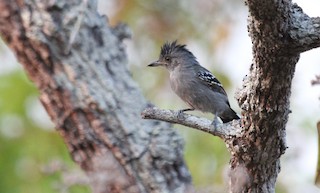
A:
(156, 63)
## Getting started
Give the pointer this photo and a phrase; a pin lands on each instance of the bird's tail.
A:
(229, 116)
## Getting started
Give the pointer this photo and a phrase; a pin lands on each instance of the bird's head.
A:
(173, 55)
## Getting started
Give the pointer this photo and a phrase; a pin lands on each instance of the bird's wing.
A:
(210, 80)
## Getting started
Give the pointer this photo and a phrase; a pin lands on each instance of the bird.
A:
(194, 84)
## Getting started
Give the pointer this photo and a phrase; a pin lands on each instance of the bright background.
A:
(34, 158)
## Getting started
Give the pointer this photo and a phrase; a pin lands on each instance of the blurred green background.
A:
(34, 158)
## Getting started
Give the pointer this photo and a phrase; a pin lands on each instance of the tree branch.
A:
(224, 131)
(304, 31)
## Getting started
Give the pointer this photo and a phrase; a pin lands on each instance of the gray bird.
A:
(194, 84)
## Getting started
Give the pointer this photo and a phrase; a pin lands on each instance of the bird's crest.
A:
(174, 47)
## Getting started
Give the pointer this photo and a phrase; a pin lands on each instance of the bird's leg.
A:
(182, 111)
(215, 121)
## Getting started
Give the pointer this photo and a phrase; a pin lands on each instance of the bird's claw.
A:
(214, 124)
(180, 115)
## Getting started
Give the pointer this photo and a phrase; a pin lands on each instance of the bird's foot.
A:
(214, 124)
(180, 114)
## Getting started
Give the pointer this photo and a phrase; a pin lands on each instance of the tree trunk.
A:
(279, 31)
(78, 63)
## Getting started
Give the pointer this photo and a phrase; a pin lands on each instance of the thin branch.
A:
(224, 131)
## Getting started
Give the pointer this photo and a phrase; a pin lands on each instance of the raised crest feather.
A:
(173, 47)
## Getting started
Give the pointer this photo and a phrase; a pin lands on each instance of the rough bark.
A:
(79, 65)
(279, 34)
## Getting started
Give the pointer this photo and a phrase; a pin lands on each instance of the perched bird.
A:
(194, 84)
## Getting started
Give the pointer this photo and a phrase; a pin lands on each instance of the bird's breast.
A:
(174, 83)
(181, 84)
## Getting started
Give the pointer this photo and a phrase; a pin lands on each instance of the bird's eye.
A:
(167, 59)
